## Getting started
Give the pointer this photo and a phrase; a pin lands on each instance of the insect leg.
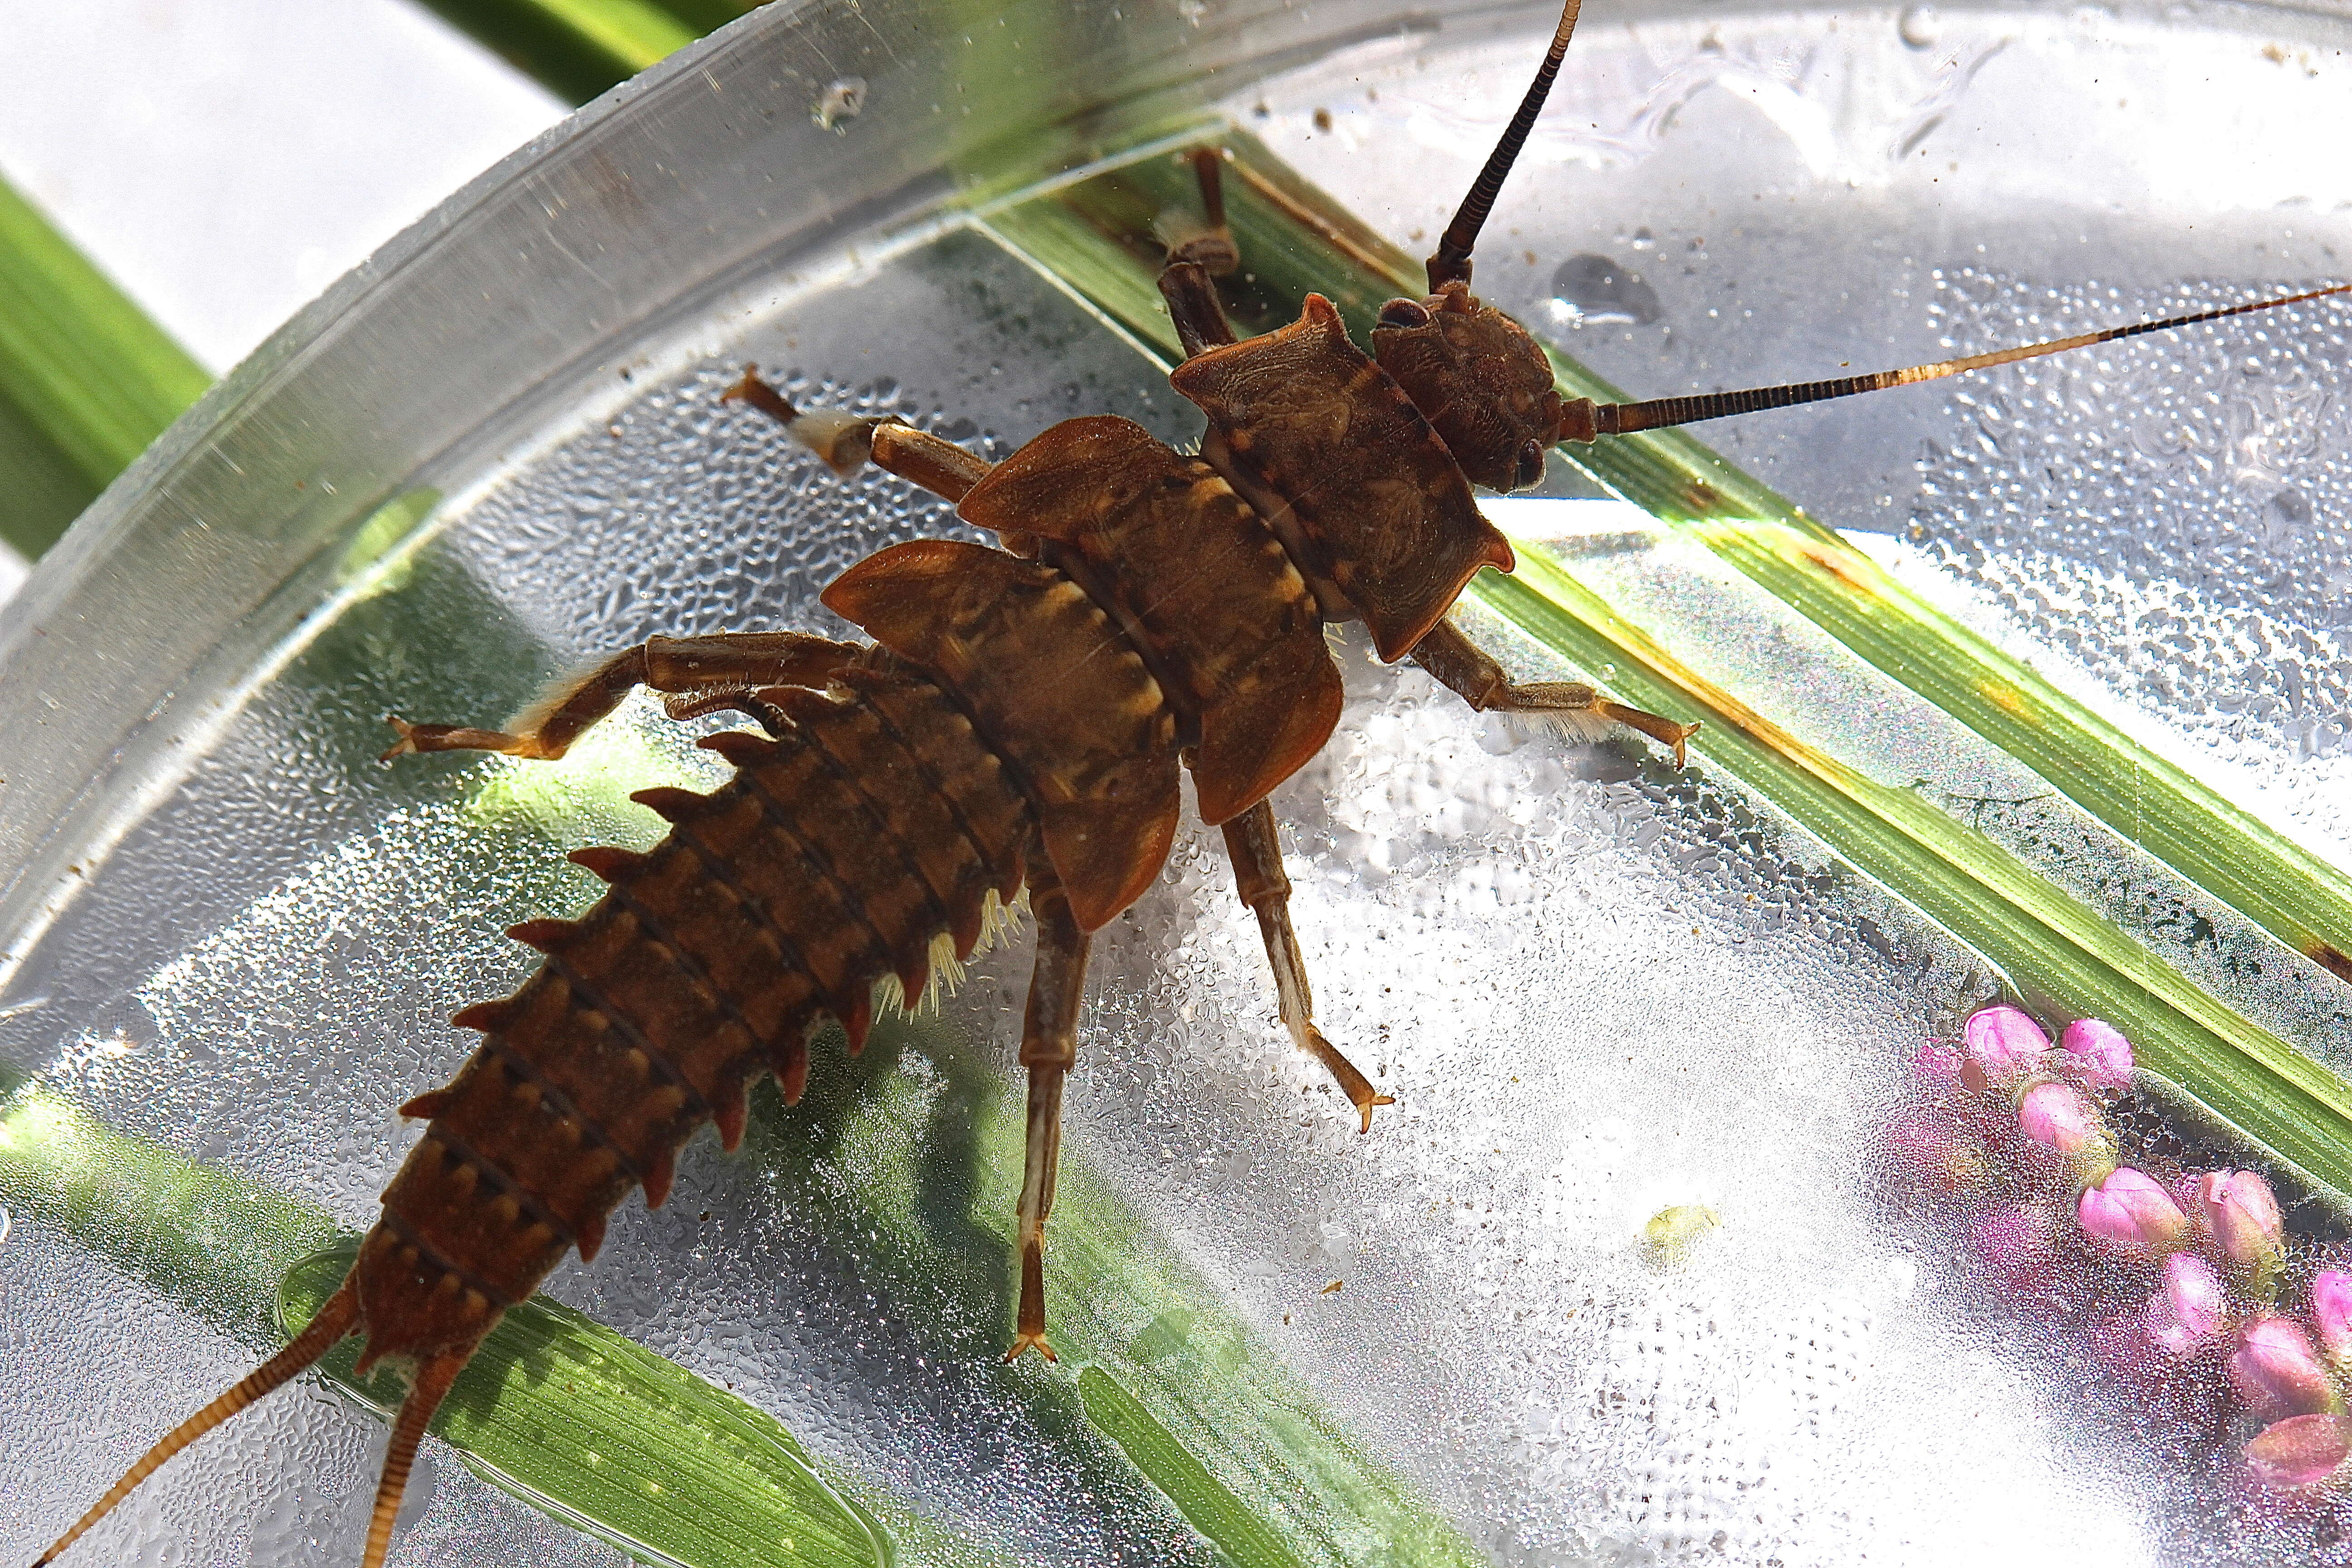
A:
(1472, 671)
(695, 669)
(1202, 236)
(1194, 306)
(1195, 255)
(847, 441)
(1049, 1045)
(1254, 845)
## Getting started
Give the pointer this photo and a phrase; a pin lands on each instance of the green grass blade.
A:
(2065, 959)
(579, 48)
(556, 1409)
(2301, 900)
(572, 1419)
(209, 1241)
(1210, 1507)
(86, 380)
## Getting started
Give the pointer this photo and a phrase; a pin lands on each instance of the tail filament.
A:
(433, 1381)
(335, 1320)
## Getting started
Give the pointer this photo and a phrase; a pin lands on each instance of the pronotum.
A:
(1017, 725)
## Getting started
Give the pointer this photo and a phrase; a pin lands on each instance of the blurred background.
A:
(177, 178)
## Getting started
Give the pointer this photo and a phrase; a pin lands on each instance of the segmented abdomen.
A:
(879, 824)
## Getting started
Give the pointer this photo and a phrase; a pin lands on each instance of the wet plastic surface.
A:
(1597, 988)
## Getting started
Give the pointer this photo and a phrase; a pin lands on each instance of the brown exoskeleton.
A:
(1017, 723)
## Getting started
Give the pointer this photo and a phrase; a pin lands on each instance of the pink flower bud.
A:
(1932, 1150)
(2058, 1116)
(2016, 1244)
(2189, 1311)
(2170, 1395)
(2098, 1055)
(2299, 1451)
(2278, 1375)
(2331, 1313)
(1936, 1062)
(2129, 1212)
(2242, 1215)
(2000, 1046)
(2062, 1119)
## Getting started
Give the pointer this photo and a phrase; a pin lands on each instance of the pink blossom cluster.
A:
(2014, 1113)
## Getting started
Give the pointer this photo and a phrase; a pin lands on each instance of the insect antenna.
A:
(334, 1321)
(1451, 261)
(1584, 420)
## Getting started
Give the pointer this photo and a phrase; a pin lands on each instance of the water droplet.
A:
(1589, 290)
(418, 1499)
(1920, 28)
(843, 100)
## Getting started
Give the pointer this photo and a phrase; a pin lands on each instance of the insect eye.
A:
(1531, 464)
(1404, 313)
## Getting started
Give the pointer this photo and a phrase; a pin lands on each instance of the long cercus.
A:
(1018, 722)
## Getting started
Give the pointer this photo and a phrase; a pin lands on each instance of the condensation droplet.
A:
(1920, 28)
(2291, 505)
(418, 1499)
(1588, 289)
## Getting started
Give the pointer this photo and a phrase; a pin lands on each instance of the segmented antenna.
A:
(1451, 261)
(1584, 420)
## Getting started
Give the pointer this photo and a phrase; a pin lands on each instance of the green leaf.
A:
(556, 1409)
(562, 1411)
(205, 1238)
(2297, 898)
(86, 380)
(1203, 1501)
(579, 48)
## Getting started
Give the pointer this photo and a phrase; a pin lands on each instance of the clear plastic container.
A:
(1598, 989)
